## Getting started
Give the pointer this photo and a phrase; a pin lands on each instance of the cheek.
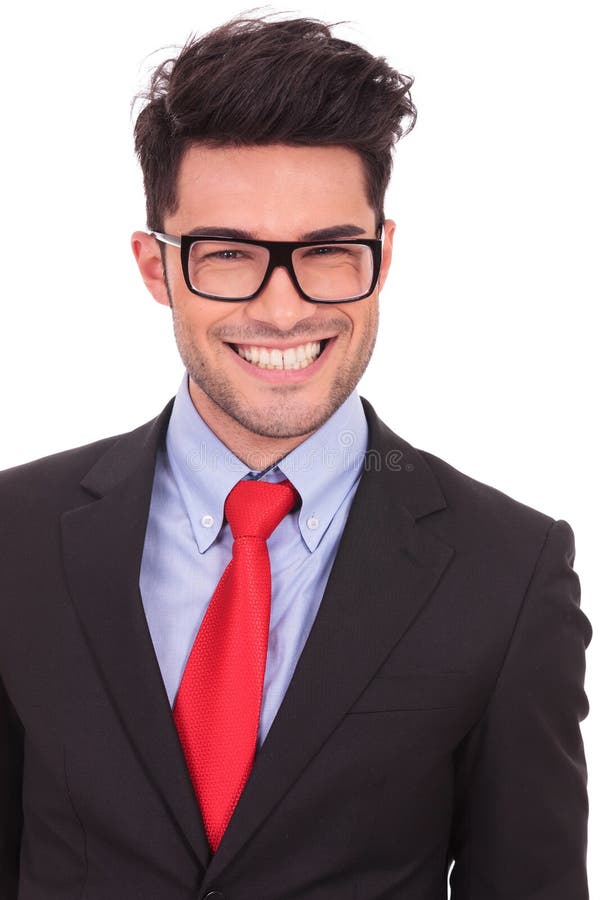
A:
(365, 325)
(194, 312)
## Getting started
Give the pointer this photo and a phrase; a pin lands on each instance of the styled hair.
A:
(258, 81)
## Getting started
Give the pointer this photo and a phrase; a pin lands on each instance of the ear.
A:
(148, 257)
(389, 227)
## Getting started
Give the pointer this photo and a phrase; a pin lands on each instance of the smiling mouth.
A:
(287, 359)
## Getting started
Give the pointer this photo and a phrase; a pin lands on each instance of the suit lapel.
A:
(102, 548)
(386, 567)
(400, 563)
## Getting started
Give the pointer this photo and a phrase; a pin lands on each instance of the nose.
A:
(279, 302)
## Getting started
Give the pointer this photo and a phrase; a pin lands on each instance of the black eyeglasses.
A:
(218, 268)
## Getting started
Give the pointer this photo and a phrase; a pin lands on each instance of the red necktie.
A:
(218, 703)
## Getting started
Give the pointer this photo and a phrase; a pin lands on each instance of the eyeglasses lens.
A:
(326, 272)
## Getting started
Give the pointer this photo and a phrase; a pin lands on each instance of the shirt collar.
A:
(204, 469)
(323, 469)
(326, 466)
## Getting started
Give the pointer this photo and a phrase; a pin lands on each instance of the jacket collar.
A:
(399, 463)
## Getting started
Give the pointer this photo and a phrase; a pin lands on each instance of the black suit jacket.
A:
(433, 715)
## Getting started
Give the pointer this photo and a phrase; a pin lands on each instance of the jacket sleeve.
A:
(520, 829)
(11, 815)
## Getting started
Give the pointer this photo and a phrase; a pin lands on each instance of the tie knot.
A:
(255, 508)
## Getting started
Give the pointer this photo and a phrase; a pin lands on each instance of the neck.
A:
(257, 451)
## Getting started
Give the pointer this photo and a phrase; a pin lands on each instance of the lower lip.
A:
(286, 376)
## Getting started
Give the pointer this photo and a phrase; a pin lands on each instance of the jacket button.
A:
(214, 895)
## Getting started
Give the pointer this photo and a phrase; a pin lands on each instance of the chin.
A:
(271, 424)
(285, 413)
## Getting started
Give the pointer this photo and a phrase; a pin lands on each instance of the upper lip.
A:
(281, 345)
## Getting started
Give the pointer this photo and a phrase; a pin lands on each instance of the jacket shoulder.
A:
(56, 479)
(63, 461)
(58, 475)
(460, 488)
(488, 515)
(458, 500)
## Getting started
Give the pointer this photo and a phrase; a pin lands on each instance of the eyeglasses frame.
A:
(280, 255)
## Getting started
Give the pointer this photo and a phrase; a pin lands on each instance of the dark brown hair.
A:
(256, 81)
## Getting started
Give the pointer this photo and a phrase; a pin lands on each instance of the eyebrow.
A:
(331, 233)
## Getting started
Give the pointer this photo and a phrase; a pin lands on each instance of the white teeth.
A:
(290, 359)
(276, 359)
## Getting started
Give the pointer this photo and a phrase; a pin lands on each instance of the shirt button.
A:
(312, 523)
(207, 521)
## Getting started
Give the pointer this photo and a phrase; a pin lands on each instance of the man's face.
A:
(280, 193)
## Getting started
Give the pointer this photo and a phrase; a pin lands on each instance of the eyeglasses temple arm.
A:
(166, 238)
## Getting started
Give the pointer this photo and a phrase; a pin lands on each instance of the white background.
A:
(489, 333)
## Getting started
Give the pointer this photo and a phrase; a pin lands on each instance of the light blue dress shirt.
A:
(188, 545)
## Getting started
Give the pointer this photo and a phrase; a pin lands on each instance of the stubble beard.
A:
(279, 418)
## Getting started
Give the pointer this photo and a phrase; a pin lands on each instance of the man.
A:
(387, 679)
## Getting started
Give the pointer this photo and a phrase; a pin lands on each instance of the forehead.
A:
(275, 190)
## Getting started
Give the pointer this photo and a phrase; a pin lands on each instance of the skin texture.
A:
(274, 192)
